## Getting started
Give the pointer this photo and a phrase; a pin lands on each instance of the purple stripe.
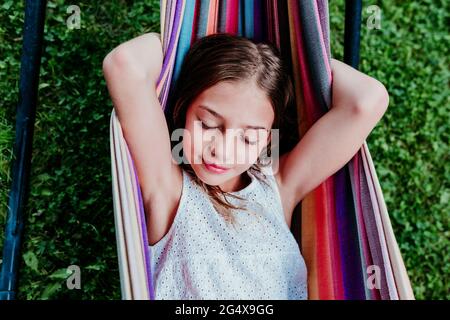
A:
(348, 238)
(144, 233)
(173, 39)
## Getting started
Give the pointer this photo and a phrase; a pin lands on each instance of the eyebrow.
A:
(214, 113)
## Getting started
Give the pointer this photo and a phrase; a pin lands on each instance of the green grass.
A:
(69, 213)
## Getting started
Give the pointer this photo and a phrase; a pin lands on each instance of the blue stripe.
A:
(184, 43)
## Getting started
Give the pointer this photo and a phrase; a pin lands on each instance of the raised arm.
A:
(358, 103)
(131, 71)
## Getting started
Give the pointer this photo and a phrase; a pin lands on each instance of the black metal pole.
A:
(352, 32)
(26, 113)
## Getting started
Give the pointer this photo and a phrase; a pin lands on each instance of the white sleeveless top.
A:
(202, 257)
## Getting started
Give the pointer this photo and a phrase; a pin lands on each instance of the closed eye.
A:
(204, 126)
(250, 142)
(246, 140)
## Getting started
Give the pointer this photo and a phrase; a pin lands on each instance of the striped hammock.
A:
(342, 226)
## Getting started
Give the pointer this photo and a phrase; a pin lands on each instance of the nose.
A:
(223, 148)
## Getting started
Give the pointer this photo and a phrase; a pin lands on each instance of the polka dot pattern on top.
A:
(202, 257)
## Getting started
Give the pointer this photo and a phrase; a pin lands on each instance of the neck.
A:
(237, 183)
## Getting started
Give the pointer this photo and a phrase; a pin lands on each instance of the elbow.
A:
(107, 64)
(375, 101)
(119, 61)
(114, 60)
(110, 59)
(139, 58)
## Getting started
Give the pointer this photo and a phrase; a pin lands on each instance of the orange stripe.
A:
(211, 27)
(325, 280)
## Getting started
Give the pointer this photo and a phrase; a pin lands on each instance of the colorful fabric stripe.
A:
(342, 226)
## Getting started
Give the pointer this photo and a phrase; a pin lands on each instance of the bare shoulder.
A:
(161, 207)
(287, 194)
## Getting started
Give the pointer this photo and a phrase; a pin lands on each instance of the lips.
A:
(214, 168)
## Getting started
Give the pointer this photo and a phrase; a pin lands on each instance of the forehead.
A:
(241, 103)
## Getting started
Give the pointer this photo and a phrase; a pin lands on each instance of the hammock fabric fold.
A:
(342, 227)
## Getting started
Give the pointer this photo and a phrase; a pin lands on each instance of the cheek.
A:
(247, 156)
(260, 151)
(192, 144)
(187, 148)
(198, 145)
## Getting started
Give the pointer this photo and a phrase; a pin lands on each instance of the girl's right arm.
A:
(131, 71)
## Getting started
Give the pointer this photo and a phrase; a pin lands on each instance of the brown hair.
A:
(225, 57)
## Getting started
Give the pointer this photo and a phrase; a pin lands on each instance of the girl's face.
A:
(228, 125)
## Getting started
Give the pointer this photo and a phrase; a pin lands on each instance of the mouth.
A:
(214, 168)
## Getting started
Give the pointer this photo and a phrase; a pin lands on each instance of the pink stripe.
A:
(303, 69)
(362, 231)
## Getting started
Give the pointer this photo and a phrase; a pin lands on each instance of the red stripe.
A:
(195, 21)
(231, 25)
(336, 267)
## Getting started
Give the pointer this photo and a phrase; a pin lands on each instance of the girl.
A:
(218, 218)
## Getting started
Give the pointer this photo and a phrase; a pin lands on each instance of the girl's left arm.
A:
(358, 103)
